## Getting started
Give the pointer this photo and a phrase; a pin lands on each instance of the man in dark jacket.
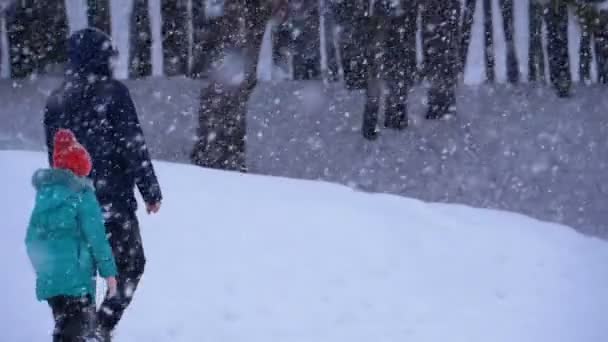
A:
(100, 112)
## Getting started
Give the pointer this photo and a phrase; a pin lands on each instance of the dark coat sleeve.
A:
(130, 138)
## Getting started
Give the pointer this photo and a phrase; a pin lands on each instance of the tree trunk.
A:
(198, 35)
(585, 53)
(54, 51)
(281, 46)
(33, 49)
(174, 37)
(141, 41)
(601, 46)
(210, 39)
(353, 42)
(467, 24)
(306, 42)
(508, 23)
(536, 60)
(5, 61)
(559, 60)
(488, 39)
(329, 31)
(98, 13)
(222, 116)
(399, 63)
(440, 44)
(21, 64)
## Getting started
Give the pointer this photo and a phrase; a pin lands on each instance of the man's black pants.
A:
(126, 242)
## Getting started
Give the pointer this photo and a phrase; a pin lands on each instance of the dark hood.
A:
(89, 53)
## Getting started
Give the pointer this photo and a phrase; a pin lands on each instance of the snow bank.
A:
(236, 257)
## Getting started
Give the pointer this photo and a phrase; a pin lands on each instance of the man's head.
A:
(89, 52)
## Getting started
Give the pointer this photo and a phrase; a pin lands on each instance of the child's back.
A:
(66, 240)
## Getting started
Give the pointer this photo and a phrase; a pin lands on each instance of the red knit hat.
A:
(68, 154)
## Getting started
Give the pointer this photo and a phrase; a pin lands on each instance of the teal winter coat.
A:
(66, 240)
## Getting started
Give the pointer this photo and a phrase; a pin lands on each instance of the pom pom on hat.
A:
(68, 154)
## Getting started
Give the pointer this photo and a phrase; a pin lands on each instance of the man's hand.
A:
(112, 286)
(153, 208)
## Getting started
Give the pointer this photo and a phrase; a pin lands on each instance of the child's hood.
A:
(57, 185)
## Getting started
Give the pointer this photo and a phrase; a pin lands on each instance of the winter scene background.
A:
(415, 233)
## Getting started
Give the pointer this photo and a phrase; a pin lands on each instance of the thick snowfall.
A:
(237, 257)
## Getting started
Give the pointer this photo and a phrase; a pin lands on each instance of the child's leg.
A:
(72, 318)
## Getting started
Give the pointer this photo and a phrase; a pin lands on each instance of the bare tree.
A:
(536, 59)
(98, 13)
(33, 49)
(556, 18)
(508, 23)
(141, 41)
(467, 25)
(488, 39)
(174, 30)
(222, 117)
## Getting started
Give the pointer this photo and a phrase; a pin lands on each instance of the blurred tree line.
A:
(37, 30)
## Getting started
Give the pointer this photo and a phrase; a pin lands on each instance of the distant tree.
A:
(594, 23)
(305, 18)
(222, 129)
(441, 44)
(353, 17)
(175, 41)
(281, 45)
(467, 24)
(392, 60)
(4, 67)
(53, 50)
(556, 18)
(488, 39)
(508, 26)
(601, 47)
(329, 30)
(98, 14)
(197, 69)
(33, 49)
(141, 41)
(536, 59)
(585, 52)
(209, 37)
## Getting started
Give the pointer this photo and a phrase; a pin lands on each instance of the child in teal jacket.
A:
(66, 240)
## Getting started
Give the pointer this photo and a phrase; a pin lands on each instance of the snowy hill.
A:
(236, 257)
(519, 149)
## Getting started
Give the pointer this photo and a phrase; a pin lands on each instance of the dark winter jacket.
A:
(100, 112)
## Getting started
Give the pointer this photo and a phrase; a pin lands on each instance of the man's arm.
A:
(129, 136)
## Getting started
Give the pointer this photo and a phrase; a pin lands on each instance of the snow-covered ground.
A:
(519, 149)
(237, 257)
